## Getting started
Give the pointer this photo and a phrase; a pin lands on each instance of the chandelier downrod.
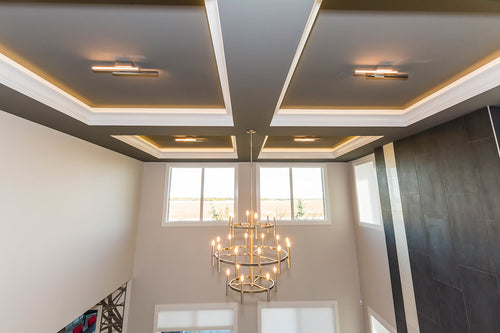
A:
(248, 257)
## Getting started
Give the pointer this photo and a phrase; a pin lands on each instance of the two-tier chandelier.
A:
(252, 251)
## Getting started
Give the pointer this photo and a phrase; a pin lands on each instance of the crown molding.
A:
(179, 153)
(338, 118)
(317, 153)
(212, 9)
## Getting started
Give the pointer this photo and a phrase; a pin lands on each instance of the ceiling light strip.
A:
(298, 52)
(353, 144)
(192, 111)
(233, 142)
(212, 9)
(341, 111)
(297, 150)
(262, 146)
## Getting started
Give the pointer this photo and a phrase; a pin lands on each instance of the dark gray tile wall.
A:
(449, 180)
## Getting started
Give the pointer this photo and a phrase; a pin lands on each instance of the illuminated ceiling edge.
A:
(179, 153)
(317, 153)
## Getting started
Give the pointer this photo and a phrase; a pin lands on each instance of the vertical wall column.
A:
(400, 240)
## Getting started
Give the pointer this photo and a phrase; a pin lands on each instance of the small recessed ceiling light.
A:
(125, 69)
(305, 139)
(381, 73)
(189, 139)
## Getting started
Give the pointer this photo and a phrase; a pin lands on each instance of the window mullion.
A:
(202, 196)
(291, 195)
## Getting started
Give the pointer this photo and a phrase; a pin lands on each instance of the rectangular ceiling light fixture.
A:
(381, 73)
(116, 68)
(189, 139)
(125, 69)
(305, 139)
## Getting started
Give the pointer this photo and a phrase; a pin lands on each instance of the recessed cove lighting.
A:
(125, 69)
(305, 139)
(381, 73)
(189, 139)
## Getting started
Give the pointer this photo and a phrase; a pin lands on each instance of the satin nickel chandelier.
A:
(252, 251)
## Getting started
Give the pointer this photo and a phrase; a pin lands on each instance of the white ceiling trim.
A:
(298, 52)
(341, 120)
(24, 81)
(212, 8)
(317, 153)
(146, 118)
(479, 81)
(179, 153)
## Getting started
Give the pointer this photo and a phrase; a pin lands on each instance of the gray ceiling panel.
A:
(431, 48)
(63, 42)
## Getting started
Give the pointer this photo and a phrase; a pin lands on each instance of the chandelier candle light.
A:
(248, 257)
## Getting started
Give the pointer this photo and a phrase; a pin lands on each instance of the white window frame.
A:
(380, 224)
(324, 173)
(200, 222)
(381, 320)
(203, 306)
(300, 304)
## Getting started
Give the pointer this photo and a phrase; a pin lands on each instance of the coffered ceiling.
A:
(283, 68)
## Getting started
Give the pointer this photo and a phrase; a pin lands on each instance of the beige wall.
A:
(172, 264)
(68, 219)
(374, 275)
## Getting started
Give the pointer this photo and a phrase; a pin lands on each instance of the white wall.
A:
(172, 264)
(68, 219)
(374, 272)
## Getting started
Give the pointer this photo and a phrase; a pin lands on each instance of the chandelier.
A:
(252, 251)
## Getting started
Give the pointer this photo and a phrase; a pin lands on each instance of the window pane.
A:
(170, 320)
(298, 320)
(176, 318)
(215, 318)
(215, 331)
(218, 201)
(308, 195)
(366, 193)
(185, 193)
(275, 193)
